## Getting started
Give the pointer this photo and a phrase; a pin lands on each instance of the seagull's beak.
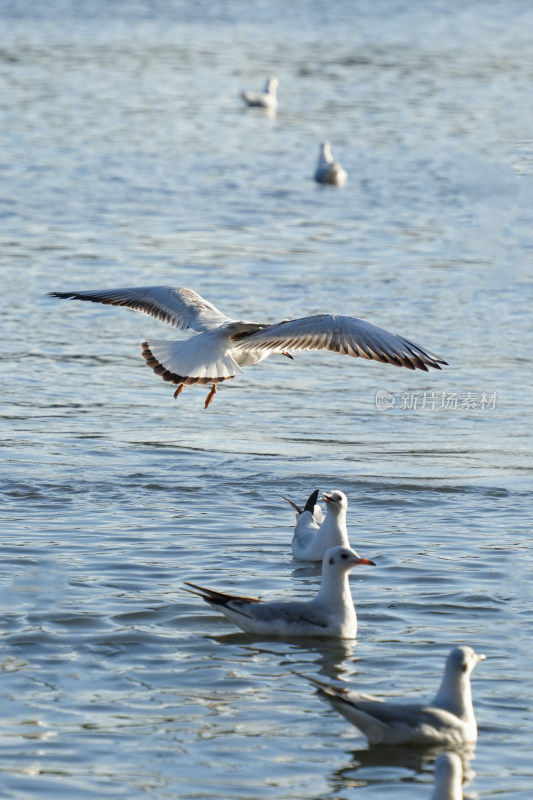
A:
(369, 564)
(286, 353)
(327, 498)
(480, 657)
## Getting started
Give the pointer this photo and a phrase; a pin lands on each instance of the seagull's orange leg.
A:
(210, 396)
(179, 389)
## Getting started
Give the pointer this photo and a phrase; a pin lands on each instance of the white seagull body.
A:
(315, 533)
(224, 345)
(448, 720)
(448, 777)
(328, 170)
(330, 613)
(267, 99)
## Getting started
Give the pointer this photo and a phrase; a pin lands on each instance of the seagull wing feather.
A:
(180, 307)
(291, 613)
(340, 334)
(276, 616)
(219, 598)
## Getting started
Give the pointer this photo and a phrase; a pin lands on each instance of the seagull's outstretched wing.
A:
(308, 523)
(182, 308)
(309, 506)
(345, 335)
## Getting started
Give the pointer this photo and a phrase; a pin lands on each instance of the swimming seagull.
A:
(315, 533)
(225, 345)
(328, 170)
(448, 777)
(330, 613)
(266, 99)
(448, 720)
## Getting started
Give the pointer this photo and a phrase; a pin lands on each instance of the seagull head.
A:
(463, 660)
(336, 501)
(454, 693)
(343, 559)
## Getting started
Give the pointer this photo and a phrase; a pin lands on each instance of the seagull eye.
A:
(464, 667)
(332, 561)
(344, 555)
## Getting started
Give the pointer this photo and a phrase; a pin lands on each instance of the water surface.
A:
(127, 158)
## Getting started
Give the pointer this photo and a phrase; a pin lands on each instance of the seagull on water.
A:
(225, 345)
(448, 777)
(328, 170)
(266, 99)
(315, 533)
(448, 720)
(330, 613)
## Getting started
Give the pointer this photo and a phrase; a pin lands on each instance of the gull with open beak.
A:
(330, 613)
(315, 533)
(224, 345)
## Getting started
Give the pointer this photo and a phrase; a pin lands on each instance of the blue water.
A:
(127, 158)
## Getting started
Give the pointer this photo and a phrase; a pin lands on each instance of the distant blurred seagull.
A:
(448, 777)
(225, 344)
(448, 720)
(327, 170)
(265, 99)
(315, 533)
(330, 613)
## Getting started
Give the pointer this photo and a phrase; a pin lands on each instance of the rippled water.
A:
(126, 158)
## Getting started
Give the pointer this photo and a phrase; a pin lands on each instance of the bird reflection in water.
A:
(449, 768)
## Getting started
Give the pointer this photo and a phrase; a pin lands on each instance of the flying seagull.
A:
(225, 345)
(266, 99)
(448, 720)
(330, 613)
(328, 170)
(315, 533)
